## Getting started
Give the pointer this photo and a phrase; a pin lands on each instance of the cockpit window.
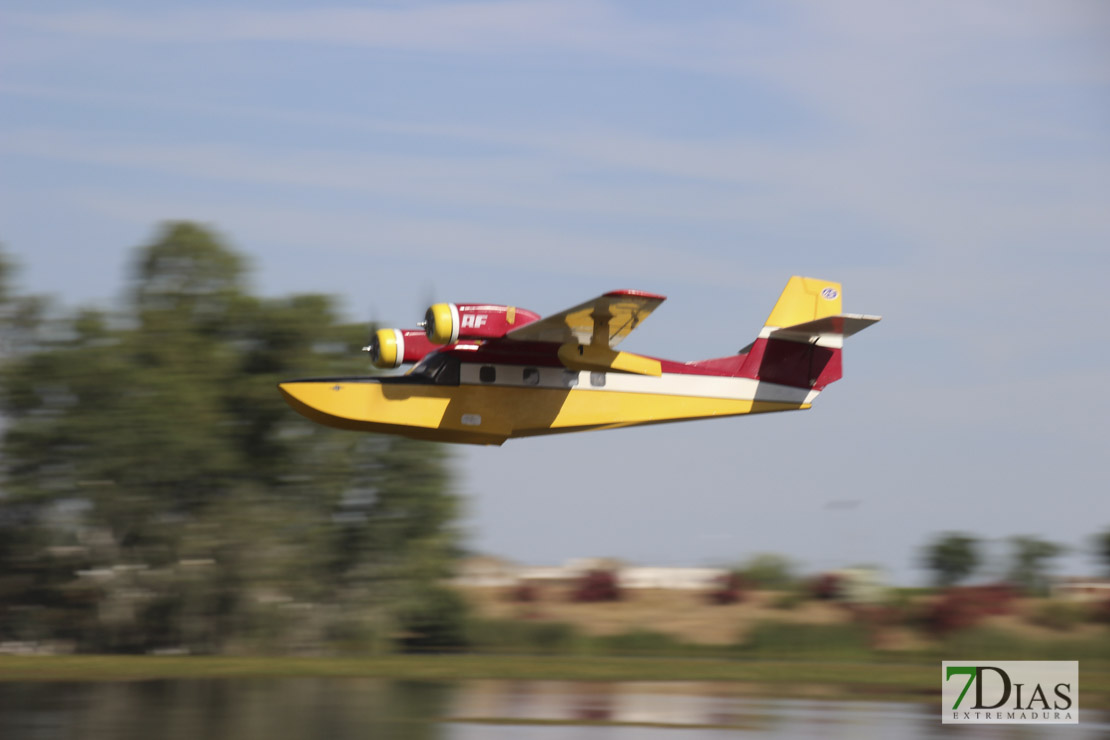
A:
(439, 369)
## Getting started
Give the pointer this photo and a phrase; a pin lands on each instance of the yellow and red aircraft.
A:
(486, 373)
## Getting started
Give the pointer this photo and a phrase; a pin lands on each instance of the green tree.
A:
(183, 502)
(34, 562)
(952, 557)
(1031, 559)
(767, 570)
(1102, 548)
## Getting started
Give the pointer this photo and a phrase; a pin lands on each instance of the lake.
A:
(342, 708)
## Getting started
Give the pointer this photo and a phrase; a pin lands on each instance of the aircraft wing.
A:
(603, 322)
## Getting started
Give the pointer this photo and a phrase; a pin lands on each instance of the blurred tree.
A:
(1102, 547)
(952, 557)
(29, 575)
(767, 571)
(1030, 563)
(197, 509)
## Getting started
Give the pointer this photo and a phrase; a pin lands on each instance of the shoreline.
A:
(834, 680)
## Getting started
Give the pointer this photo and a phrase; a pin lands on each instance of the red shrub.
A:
(996, 598)
(951, 612)
(596, 585)
(825, 586)
(1100, 611)
(959, 608)
(523, 593)
(729, 589)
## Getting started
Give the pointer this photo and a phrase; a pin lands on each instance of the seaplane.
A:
(484, 373)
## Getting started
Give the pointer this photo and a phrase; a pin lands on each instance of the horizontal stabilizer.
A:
(825, 332)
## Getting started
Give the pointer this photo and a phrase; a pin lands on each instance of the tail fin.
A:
(804, 299)
(801, 341)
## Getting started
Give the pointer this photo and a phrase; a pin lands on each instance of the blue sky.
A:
(948, 163)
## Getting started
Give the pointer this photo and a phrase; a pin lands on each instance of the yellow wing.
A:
(587, 333)
(604, 321)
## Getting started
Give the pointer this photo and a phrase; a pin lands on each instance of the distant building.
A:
(860, 585)
(679, 579)
(1082, 589)
(492, 572)
(486, 571)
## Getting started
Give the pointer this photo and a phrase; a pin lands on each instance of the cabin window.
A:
(570, 378)
(487, 373)
(531, 376)
(597, 380)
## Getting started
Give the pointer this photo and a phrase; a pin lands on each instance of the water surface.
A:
(342, 708)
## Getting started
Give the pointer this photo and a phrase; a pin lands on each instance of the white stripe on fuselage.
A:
(670, 384)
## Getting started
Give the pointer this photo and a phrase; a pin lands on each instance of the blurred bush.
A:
(767, 571)
(1061, 616)
(639, 642)
(729, 589)
(995, 644)
(596, 585)
(826, 641)
(789, 599)
(526, 637)
(433, 619)
(1100, 611)
(825, 586)
(961, 608)
(523, 593)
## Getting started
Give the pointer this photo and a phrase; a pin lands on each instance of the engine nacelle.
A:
(447, 323)
(390, 348)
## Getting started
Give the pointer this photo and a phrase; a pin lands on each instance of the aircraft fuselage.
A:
(483, 401)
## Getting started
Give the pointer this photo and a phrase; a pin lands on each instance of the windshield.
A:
(439, 369)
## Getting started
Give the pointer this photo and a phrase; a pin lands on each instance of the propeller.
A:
(372, 345)
(393, 339)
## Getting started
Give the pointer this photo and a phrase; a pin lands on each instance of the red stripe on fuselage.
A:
(545, 354)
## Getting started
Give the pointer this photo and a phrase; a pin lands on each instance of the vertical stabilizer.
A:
(804, 299)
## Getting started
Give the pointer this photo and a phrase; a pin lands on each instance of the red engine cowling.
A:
(447, 323)
(391, 348)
